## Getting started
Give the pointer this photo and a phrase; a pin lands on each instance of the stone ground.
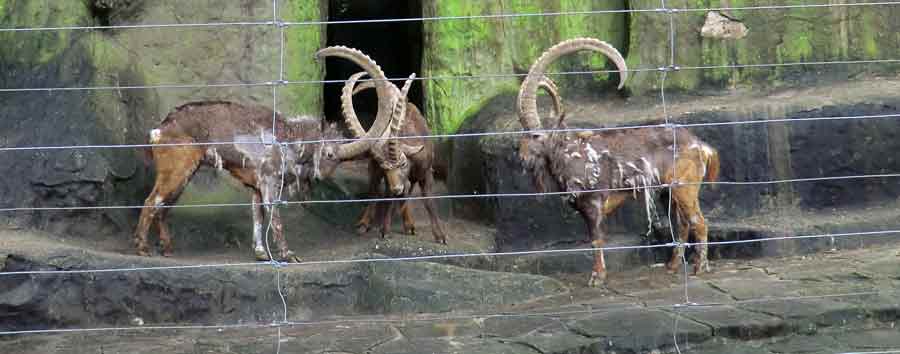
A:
(832, 302)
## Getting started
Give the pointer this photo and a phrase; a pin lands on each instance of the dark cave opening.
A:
(396, 46)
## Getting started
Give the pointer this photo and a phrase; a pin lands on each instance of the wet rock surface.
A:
(741, 308)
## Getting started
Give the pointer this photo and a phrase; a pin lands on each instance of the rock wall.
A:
(491, 46)
(486, 46)
(773, 36)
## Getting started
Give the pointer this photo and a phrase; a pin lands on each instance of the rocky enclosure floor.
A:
(831, 302)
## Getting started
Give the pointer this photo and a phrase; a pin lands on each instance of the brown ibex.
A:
(252, 156)
(631, 159)
(401, 163)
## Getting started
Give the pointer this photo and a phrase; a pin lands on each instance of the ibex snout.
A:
(395, 181)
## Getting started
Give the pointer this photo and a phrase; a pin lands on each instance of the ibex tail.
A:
(712, 164)
(146, 152)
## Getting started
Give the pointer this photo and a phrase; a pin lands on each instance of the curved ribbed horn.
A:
(383, 89)
(395, 154)
(347, 110)
(363, 86)
(550, 87)
(527, 100)
(404, 146)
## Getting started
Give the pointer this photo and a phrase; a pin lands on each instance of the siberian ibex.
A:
(632, 159)
(402, 163)
(251, 156)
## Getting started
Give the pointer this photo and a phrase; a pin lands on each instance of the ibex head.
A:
(535, 146)
(332, 153)
(390, 152)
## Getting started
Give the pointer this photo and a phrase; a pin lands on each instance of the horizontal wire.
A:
(140, 26)
(336, 261)
(441, 18)
(135, 328)
(469, 17)
(339, 140)
(608, 308)
(461, 135)
(137, 87)
(451, 256)
(308, 82)
(327, 201)
(785, 7)
(440, 77)
(800, 237)
(768, 65)
(792, 180)
(878, 352)
(455, 196)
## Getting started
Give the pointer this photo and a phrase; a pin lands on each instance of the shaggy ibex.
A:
(633, 159)
(253, 158)
(402, 163)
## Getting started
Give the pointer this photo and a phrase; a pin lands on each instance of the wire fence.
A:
(284, 320)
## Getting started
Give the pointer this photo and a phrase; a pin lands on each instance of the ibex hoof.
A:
(702, 267)
(362, 229)
(440, 239)
(167, 253)
(143, 251)
(672, 267)
(597, 280)
(411, 230)
(290, 257)
(261, 255)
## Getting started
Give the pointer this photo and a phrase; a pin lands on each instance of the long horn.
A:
(404, 146)
(527, 100)
(347, 110)
(363, 86)
(550, 87)
(382, 87)
(395, 154)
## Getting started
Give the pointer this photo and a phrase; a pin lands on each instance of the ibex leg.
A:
(174, 168)
(365, 220)
(259, 248)
(165, 236)
(591, 208)
(437, 229)
(687, 198)
(409, 222)
(388, 209)
(683, 235)
(268, 191)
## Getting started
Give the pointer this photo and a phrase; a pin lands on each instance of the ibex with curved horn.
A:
(250, 156)
(401, 163)
(631, 159)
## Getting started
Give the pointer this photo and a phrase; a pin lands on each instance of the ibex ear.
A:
(411, 149)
